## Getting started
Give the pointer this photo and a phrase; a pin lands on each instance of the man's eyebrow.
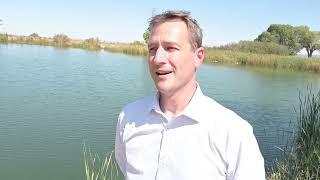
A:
(170, 43)
(167, 43)
(152, 44)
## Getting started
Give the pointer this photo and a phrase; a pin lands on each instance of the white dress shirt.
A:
(204, 142)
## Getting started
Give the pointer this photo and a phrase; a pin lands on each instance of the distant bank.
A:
(213, 55)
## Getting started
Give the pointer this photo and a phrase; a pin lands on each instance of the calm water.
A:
(52, 101)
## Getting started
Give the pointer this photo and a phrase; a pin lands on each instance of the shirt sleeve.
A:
(246, 161)
(119, 149)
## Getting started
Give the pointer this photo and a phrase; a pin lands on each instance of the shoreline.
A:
(213, 55)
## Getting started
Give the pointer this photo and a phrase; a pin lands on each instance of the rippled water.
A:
(53, 100)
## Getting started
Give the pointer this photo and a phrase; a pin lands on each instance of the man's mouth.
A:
(162, 73)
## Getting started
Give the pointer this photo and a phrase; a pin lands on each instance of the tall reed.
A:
(303, 158)
(132, 49)
(97, 169)
(217, 56)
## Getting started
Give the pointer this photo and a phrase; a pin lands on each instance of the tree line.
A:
(58, 40)
(280, 39)
(293, 37)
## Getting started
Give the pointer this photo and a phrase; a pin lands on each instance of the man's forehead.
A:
(167, 31)
(165, 38)
(170, 24)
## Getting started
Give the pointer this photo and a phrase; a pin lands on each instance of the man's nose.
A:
(161, 56)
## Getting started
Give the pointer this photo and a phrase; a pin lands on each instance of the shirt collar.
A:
(192, 110)
(155, 103)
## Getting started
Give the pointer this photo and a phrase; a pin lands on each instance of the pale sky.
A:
(125, 21)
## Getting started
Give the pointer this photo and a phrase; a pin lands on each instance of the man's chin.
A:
(163, 88)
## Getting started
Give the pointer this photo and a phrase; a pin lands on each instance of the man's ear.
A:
(199, 57)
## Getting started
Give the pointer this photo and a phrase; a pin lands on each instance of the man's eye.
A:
(172, 48)
(151, 49)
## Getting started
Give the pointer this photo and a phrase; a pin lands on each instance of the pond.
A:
(53, 101)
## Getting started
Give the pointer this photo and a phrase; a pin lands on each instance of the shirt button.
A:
(162, 160)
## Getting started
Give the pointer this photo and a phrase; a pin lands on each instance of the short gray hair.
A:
(195, 32)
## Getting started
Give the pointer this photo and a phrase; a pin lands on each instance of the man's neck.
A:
(175, 103)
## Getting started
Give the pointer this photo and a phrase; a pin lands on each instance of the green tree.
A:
(91, 43)
(308, 39)
(282, 34)
(61, 40)
(4, 38)
(147, 33)
(257, 47)
(295, 38)
(34, 35)
(267, 37)
(33, 38)
(146, 36)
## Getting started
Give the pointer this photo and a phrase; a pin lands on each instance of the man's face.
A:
(172, 60)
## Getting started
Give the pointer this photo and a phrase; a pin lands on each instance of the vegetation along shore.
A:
(275, 48)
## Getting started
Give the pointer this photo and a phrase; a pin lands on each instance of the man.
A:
(179, 133)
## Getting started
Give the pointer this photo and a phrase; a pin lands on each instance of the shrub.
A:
(257, 47)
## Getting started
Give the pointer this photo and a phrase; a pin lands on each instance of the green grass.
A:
(302, 160)
(132, 49)
(257, 47)
(97, 169)
(215, 56)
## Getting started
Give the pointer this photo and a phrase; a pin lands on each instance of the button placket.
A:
(164, 146)
(163, 153)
